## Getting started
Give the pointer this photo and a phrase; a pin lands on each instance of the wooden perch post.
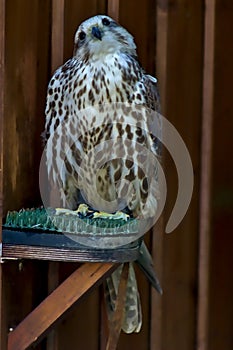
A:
(36, 325)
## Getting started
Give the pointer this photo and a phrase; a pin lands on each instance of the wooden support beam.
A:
(35, 326)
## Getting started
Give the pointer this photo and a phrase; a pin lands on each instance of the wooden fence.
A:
(188, 45)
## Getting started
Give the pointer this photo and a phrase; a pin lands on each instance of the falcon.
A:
(100, 105)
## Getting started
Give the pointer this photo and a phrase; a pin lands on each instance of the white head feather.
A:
(110, 38)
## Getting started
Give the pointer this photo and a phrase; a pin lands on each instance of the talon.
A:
(121, 215)
(60, 211)
(83, 209)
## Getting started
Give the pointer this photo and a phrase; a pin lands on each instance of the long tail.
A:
(132, 320)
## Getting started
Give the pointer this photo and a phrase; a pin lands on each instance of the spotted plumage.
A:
(97, 129)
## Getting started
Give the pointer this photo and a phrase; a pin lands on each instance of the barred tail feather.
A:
(132, 320)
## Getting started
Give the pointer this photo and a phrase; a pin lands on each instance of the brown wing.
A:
(152, 99)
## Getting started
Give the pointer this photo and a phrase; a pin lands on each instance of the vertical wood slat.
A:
(156, 322)
(57, 57)
(156, 334)
(205, 189)
(26, 55)
(26, 58)
(103, 319)
(2, 73)
(158, 232)
(3, 337)
(179, 62)
(156, 338)
(57, 54)
(53, 281)
(113, 9)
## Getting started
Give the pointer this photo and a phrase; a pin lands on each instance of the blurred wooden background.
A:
(188, 45)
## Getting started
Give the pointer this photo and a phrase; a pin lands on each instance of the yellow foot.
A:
(65, 211)
(117, 216)
(82, 209)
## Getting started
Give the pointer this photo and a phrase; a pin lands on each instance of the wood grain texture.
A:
(26, 74)
(206, 178)
(179, 67)
(57, 38)
(139, 18)
(3, 316)
(26, 70)
(50, 311)
(10, 251)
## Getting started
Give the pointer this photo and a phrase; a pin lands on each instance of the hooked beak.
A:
(96, 33)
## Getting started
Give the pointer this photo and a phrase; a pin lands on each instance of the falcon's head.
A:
(100, 36)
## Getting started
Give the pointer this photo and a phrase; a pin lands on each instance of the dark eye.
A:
(105, 22)
(82, 36)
